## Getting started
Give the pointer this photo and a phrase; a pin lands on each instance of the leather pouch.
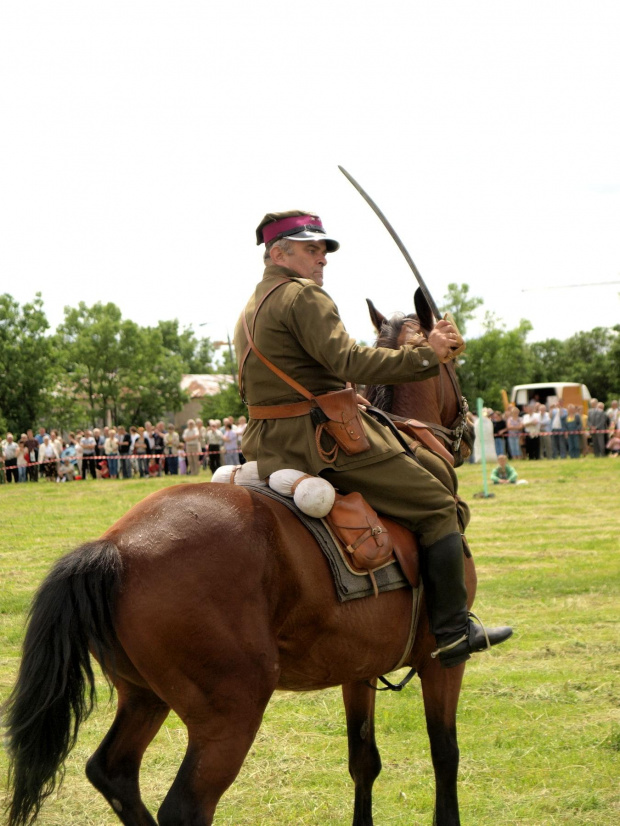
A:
(360, 530)
(344, 423)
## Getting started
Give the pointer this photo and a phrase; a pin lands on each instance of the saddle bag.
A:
(362, 534)
(343, 421)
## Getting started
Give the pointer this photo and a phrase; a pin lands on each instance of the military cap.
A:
(295, 225)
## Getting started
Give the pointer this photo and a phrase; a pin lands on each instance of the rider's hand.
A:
(445, 339)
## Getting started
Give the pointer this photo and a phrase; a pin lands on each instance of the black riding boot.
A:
(443, 574)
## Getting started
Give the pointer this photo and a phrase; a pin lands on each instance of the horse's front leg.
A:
(440, 689)
(364, 760)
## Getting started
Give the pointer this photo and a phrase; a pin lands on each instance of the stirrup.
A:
(465, 637)
(484, 630)
(452, 645)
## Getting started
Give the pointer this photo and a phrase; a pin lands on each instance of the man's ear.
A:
(277, 255)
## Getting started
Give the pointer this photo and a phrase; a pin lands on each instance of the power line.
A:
(570, 286)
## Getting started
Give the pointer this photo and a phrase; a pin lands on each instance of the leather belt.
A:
(280, 411)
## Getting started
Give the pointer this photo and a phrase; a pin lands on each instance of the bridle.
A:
(458, 432)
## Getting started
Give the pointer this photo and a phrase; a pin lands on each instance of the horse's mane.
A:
(382, 395)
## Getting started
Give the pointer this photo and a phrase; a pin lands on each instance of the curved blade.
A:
(399, 243)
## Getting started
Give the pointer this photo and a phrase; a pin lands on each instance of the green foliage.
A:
(226, 403)
(462, 307)
(114, 365)
(24, 362)
(494, 361)
(196, 354)
(591, 357)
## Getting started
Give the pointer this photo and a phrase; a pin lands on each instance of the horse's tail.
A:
(55, 689)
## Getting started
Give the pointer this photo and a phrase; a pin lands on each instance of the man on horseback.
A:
(298, 330)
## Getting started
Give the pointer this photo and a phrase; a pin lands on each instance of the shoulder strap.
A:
(251, 346)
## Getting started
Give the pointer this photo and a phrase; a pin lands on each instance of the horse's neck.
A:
(428, 401)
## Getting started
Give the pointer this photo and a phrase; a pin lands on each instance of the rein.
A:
(454, 435)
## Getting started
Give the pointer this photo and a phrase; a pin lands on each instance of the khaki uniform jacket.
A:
(299, 330)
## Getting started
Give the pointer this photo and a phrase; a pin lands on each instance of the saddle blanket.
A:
(349, 584)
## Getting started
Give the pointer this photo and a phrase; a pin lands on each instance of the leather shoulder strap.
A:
(251, 347)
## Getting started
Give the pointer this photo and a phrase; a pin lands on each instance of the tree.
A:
(457, 302)
(496, 360)
(24, 362)
(115, 367)
(197, 354)
(226, 403)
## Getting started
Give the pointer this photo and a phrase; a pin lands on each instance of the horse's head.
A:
(438, 402)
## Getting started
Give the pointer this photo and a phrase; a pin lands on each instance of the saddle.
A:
(368, 542)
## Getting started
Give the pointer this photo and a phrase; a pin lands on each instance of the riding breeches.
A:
(401, 488)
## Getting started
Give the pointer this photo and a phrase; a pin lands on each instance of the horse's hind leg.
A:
(222, 720)
(364, 760)
(114, 767)
(440, 689)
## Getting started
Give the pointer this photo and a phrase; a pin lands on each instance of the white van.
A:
(550, 393)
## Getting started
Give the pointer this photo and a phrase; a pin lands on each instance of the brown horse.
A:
(206, 599)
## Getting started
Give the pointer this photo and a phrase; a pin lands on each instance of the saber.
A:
(399, 243)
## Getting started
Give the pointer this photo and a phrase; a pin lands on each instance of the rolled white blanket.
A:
(248, 475)
(312, 495)
(282, 481)
(224, 473)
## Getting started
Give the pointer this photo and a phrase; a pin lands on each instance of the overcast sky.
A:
(142, 142)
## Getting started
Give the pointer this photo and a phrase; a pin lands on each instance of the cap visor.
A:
(307, 235)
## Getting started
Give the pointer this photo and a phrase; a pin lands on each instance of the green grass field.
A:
(539, 718)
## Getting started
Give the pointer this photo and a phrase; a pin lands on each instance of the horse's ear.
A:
(375, 316)
(423, 311)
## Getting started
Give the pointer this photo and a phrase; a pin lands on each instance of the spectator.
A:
(559, 443)
(22, 458)
(499, 432)
(531, 427)
(32, 446)
(140, 449)
(78, 452)
(613, 414)
(191, 437)
(203, 442)
(48, 458)
(69, 452)
(503, 474)
(598, 424)
(99, 447)
(231, 444)
(89, 446)
(514, 428)
(124, 449)
(10, 448)
(110, 450)
(215, 444)
(158, 447)
(573, 426)
(613, 445)
(66, 471)
(171, 451)
(56, 441)
(546, 451)
(242, 424)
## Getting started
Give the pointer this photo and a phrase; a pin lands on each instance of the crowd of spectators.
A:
(557, 432)
(118, 453)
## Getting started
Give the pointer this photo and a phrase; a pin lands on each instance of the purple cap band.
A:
(286, 225)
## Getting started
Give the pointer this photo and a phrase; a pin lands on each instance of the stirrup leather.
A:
(465, 636)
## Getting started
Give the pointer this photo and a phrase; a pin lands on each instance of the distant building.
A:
(197, 386)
